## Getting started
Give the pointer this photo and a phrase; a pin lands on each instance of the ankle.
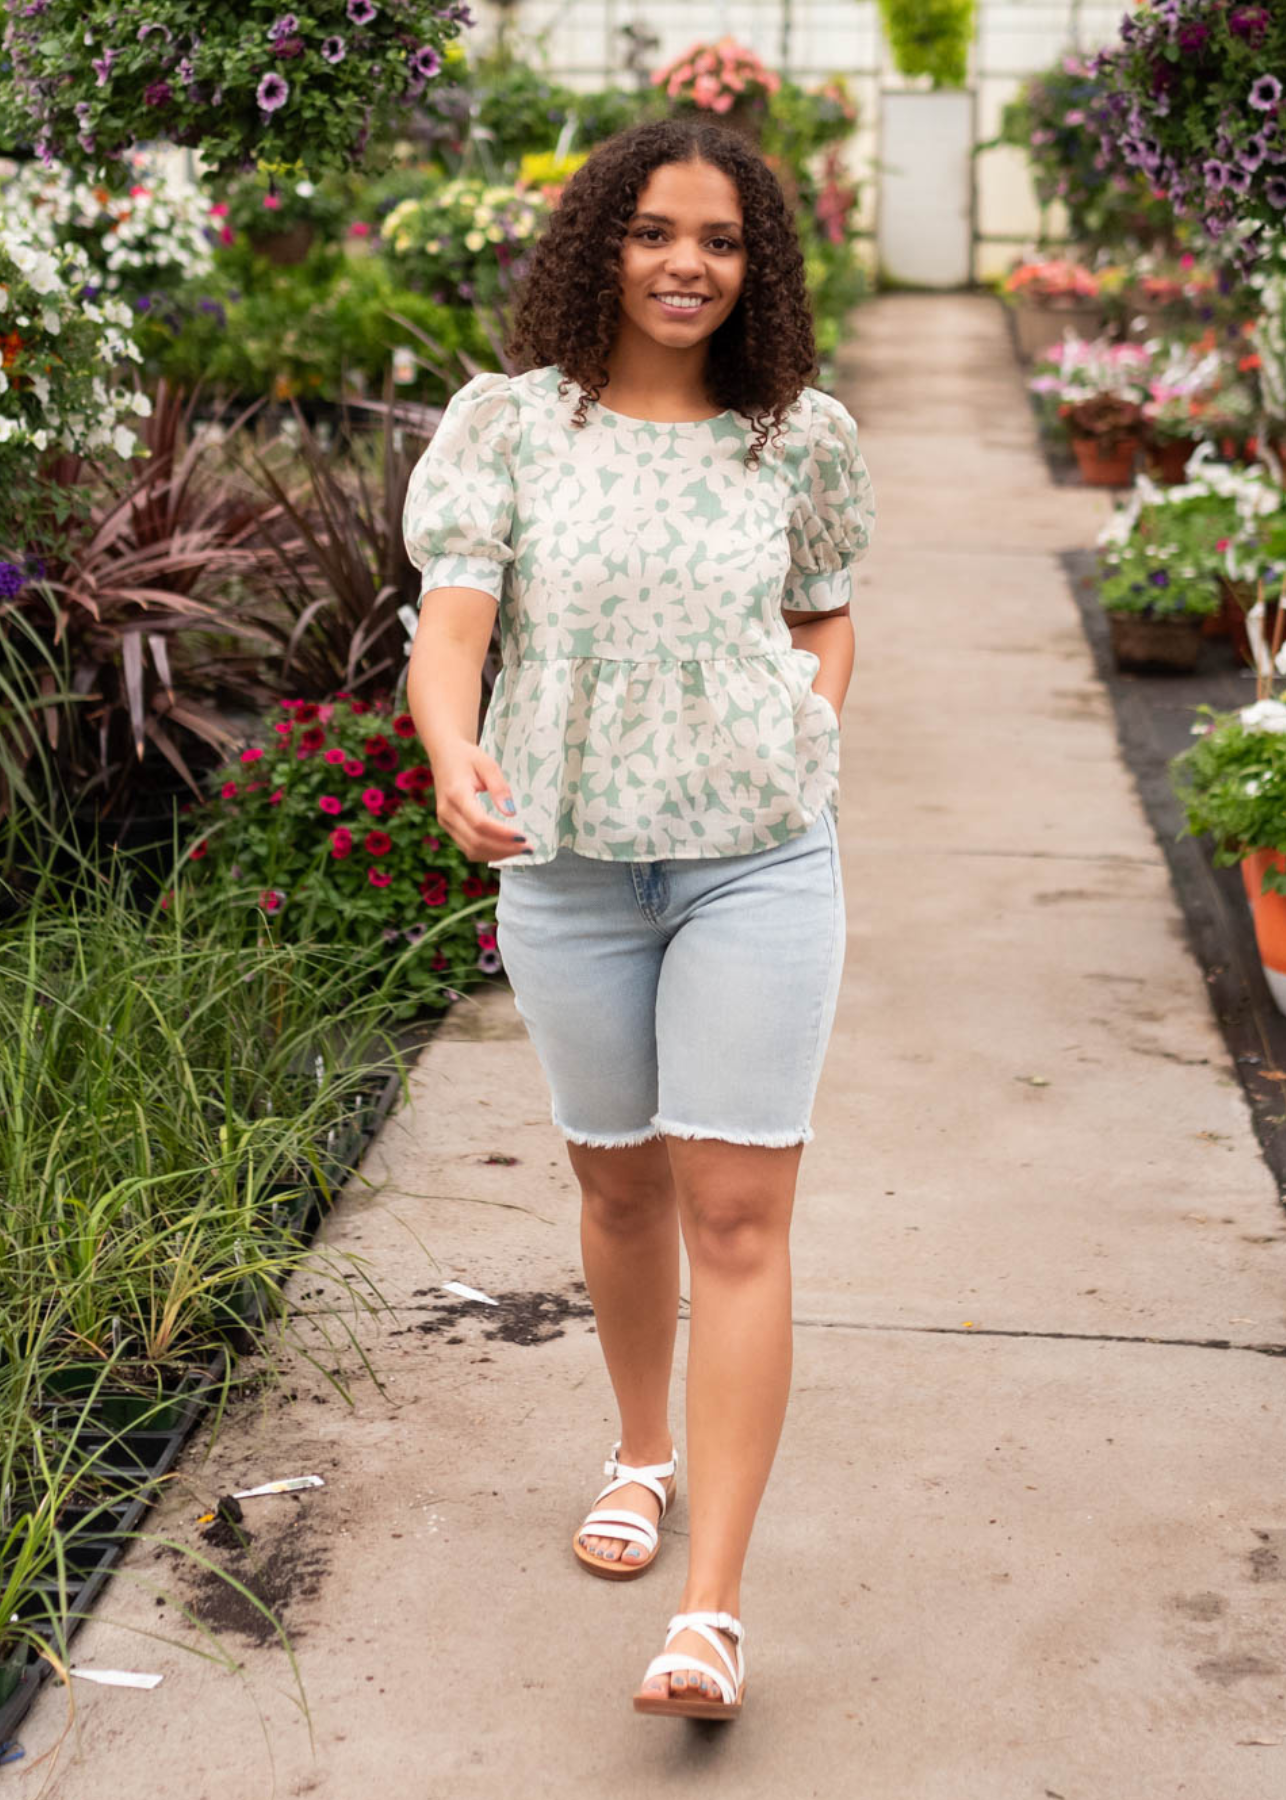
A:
(722, 1597)
(643, 1452)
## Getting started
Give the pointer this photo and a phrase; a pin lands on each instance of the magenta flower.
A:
(102, 65)
(341, 842)
(426, 62)
(285, 26)
(229, 790)
(277, 798)
(329, 804)
(355, 767)
(272, 93)
(335, 756)
(249, 756)
(293, 46)
(271, 900)
(334, 49)
(373, 799)
(157, 93)
(379, 878)
(1265, 93)
(361, 12)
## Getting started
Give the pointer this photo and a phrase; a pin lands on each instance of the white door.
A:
(926, 187)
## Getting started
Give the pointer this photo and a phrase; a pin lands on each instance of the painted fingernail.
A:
(508, 804)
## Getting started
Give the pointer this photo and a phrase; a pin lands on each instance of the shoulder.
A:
(482, 416)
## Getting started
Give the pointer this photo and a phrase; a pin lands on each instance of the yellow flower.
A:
(495, 233)
(402, 242)
(433, 246)
(474, 240)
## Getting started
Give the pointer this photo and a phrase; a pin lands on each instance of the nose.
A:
(684, 258)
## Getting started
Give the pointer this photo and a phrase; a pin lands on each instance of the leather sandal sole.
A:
(619, 1571)
(670, 1706)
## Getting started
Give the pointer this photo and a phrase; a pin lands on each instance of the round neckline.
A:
(665, 424)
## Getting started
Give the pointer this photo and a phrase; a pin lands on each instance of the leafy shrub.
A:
(1232, 783)
(930, 37)
(328, 827)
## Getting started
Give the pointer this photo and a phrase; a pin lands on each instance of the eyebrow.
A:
(711, 225)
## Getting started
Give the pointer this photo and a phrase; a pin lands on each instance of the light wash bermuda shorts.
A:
(692, 997)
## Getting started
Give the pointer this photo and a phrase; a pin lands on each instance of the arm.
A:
(443, 694)
(831, 639)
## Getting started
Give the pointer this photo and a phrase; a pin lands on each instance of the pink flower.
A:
(229, 790)
(227, 235)
(359, 229)
(220, 211)
(329, 804)
(272, 202)
(271, 900)
(283, 727)
(341, 842)
(201, 850)
(372, 800)
(432, 843)
(335, 756)
(277, 798)
(249, 756)
(1223, 543)
(378, 843)
(325, 714)
(379, 878)
(355, 766)
(404, 725)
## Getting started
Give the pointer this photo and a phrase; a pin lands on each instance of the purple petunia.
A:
(1252, 151)
(334, 49)
(1215, 173)
(1159, 578)
(288, 46)
(286, 26)
(145, 30)
(272, 93)
(12, 580)
(1265, 94)
(361, 12)
(102, 65)
(426, 62)
(1275, 189)
(157, 93)
(1238, 180)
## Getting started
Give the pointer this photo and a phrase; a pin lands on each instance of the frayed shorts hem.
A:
(768, 1140)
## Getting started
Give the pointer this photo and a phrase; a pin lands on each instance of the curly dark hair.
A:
(566, 308)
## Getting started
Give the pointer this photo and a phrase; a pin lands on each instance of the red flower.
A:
(341, 842)
(249, 756)
(433, 889)
(472, 887)
(372, 800)
(252, 787)
(393, 804)
(287, 705)
(377, 745)
(329, 804)
(201, 849)
(379, 843)
(229, 790)
(404, 781)
(439, 961)
(277, 798)
(271, 900)
(354, 767)
(378, 877)
(304, 711)
(385, 761)
(404, 725)
(335, 756)
(166, 897)
(432, 842)
(422, 775)
(283, 727)
(358, 707)
(313, 739)
(343, 694)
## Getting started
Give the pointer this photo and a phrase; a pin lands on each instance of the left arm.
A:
(831, 639)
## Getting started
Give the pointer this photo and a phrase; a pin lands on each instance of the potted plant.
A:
(1158, 584)
(725, 78)
(1232, 784)
(280, 218)
(1048, 300)
(1176, 387)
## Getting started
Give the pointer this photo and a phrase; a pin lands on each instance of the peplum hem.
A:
(660, 759)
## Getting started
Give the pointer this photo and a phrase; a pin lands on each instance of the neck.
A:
(660, 378)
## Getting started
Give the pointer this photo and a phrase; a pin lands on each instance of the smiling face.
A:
(683, 261)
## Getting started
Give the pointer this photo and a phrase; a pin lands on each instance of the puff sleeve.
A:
(459, 507)
(833, 513)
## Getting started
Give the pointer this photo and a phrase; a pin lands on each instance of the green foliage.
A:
(329, 827)
(930, 37)
(462, 238)
(1170, 562)
(1232, 782)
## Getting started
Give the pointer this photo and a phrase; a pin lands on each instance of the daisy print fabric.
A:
(650, 703)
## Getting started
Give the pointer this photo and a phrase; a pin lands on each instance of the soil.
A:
(517, 1318)
(292, 1570)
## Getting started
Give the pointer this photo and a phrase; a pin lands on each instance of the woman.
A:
(656, 782)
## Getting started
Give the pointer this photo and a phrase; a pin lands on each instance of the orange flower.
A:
(9, 348)
(1248, 362)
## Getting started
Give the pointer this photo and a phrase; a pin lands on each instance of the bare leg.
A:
(735, 1203)
(630, 1245)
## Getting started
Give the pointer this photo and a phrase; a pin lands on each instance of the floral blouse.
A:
(650, 703)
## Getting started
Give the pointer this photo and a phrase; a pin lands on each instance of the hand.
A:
(460, 775)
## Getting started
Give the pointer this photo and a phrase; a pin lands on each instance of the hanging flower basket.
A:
(246, 84)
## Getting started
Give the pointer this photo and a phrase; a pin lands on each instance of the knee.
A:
(624, 1209)
(732, 1235)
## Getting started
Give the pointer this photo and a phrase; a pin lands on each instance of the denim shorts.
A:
(692, 997)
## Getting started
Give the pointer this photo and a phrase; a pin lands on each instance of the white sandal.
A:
(630, 1527)
(731, 1685)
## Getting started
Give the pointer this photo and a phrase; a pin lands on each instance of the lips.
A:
(682, 311)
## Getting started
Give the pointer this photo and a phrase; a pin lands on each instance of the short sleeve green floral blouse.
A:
(650, 703)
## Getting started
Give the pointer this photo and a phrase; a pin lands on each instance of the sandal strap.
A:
(672, 1664)
(630, 1526)
(639, 1477)
(706, 1625)
(661, 1470)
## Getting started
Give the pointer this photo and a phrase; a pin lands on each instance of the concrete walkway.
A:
(1026, 1535)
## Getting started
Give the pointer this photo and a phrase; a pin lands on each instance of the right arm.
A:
(443, 693)
(457, 524)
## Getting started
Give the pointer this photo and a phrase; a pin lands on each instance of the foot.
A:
(691, 1681)
(631, 1498)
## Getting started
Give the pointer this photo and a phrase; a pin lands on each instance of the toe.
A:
(633, 1553)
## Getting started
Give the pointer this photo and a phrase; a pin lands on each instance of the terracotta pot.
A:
(1236, 599)
(1166, 460)
(1040, 324)
(285, 247)
(1102, 467)
(1149, 645)
(1269, 914)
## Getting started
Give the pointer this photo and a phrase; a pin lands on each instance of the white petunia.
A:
(1264, 715)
